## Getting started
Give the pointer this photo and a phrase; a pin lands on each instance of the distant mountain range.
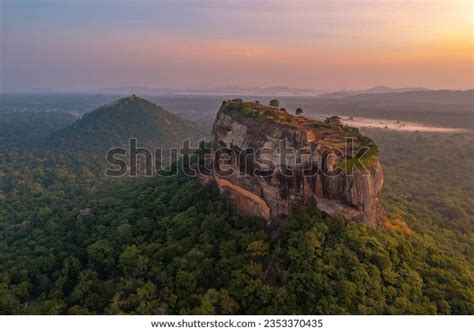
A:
(439, 97)
(373, 90)
(236, 91)
(254, 91)
(224, 90)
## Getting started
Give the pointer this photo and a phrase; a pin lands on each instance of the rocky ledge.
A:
(270, 163)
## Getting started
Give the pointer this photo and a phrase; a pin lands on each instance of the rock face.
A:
(271, 163)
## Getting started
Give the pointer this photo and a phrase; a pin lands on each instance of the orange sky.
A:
(184, 44)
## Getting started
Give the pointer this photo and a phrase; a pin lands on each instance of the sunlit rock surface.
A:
(270, 163)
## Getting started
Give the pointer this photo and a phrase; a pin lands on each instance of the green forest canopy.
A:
(73, 242)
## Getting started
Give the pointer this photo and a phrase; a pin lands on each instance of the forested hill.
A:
(114, 124)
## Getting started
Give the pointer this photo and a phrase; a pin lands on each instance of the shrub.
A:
(274, 103)
(333, 120)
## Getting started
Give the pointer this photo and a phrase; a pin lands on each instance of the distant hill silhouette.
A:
(373, 90)
(221, 90)
(114, 124)
(438, 97)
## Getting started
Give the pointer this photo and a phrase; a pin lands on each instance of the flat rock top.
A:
(331, 133)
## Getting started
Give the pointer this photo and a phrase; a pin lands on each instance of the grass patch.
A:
(271, 113)
(357, 163)
(242, 108)
(365, 157)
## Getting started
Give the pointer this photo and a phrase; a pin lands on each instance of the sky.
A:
(87, 45)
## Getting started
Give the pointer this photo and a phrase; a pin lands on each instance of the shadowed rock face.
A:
(271, 163)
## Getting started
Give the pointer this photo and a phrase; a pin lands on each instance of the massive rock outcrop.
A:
(271, 163)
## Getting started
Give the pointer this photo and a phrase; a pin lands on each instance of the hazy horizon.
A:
(248, 91)
(91, 45)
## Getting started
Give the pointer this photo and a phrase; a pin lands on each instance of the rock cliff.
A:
(270, 163)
